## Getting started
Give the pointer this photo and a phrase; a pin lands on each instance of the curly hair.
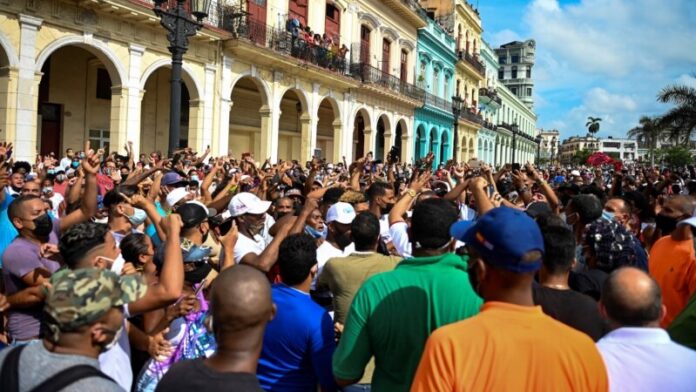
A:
(80, 239)
(353, 197)
(611, 245)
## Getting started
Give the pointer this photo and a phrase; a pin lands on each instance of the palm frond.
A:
(678, 94)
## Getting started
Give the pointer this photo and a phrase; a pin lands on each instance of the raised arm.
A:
(88, 206)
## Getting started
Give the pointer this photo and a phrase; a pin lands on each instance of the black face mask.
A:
(387, 208)
(198, 274)
(342, 240)
(665, 224)
(43, 225)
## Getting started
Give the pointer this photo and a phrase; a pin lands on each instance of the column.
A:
(134, 97)
(306, 150)
(269, 133)
(25, 141)
(117, 119)
(208, 108)
(8, 103)
(195, 132)
(221, 142)
(338, 141)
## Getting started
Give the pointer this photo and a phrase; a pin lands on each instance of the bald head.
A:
(631, 298)
(240, 300)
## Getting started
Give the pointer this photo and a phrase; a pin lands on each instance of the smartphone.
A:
(490, 191)
(200, 287)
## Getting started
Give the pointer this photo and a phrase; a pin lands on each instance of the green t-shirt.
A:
(683, 327)
(393, 314)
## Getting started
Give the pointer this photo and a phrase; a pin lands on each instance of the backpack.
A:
(9, 375)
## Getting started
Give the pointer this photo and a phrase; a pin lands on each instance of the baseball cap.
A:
(504, 237)
(340, 212)
(193, 213)
(537, 208)
(691, 222)
(294, 192)
(247, 203)
(79, 297)
(173, 178)
(575, 173)
(175, 196)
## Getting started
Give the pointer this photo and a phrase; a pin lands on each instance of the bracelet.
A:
(411, 193)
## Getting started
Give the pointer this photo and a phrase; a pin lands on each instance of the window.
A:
(515, 59)
(431, 14)
(436, 78)
(99, 138)
(529, 73)
(501, 74)
(514, 90)
(386, 54)
(331, 12)
(103, 84)
(501, 59)
(529, 91)
(514, 73)
(364, 44)
(404, 66)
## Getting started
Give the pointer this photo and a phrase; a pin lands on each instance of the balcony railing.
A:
(489, 95)
(466, 114)
(325, 55)
(440, 103)
(415, 7)
(475, 62)
(371, 75)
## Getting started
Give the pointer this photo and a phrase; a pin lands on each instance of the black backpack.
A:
(9, 376)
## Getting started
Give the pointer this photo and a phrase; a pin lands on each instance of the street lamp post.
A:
(514, 143)
(456, 111)
(180, 27)
(538, 141)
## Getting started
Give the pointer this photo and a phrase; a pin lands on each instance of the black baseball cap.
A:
(194, 213)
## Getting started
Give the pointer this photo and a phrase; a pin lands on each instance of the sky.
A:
(600, 58)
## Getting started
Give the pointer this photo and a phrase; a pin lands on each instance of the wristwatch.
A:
(411, 193)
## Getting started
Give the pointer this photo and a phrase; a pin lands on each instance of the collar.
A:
(444, 260)
(362, 253)
(511, 308)
(292, 288)
(638, 335)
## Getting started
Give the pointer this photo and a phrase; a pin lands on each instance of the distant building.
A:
(550, 143)
(572, 145)
(623, 149)
(516, 62)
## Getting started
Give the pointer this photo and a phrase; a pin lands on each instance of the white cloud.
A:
(600, 100)
(687, 79)
(503, 37)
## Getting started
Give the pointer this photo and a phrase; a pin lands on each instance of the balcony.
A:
(437, 102)
(280, 41)
(489, 95)
(375, 76)
(473, 61)
(468, 115)
(409, 10)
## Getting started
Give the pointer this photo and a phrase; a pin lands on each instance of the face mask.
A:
(316, 234)
(665, 224)
(608, 215)
(117, 336)
(117, 265)
(75, 165)
(51, 171)
(198, 274)
(194, 178)
(47, 190)
(197, 253)
(138, 217)
(342, 240)
(387, 208)
(43, 225)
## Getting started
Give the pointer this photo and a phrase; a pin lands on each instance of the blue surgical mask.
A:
(75, 164)
(51, 171)
(195, 178)
(138, 217)
(197, 253)
(608, 215)
(316, 234)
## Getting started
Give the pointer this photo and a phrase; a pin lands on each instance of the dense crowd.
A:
(193, 272)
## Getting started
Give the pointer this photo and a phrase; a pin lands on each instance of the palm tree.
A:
(593, 125)
(649, 131)
(682, 118)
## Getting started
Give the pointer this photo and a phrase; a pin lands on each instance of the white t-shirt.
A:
(384, 228)
(327, 251)
(246, 245)
(399, 238)
(115, 362)
(56, 199)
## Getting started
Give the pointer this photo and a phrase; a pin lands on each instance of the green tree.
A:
(681, 118)
(593, 125)
(674, 156)
(580, 157)
(648, 132)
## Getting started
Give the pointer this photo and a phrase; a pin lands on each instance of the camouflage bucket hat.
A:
(79, 297)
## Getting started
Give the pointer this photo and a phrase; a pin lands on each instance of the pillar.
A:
(8, 103)
(195, 132)
(306, 150)
(117, 120)
(269, 134)
(338, 140)
(134, 97)
(224, 105)
(208, 110)
(25, 141)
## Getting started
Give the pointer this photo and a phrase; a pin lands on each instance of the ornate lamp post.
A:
(514, 142)
(178, 23)
(538, 141)
(456, 111)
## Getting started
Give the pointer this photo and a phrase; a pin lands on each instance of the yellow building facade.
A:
(98, 70)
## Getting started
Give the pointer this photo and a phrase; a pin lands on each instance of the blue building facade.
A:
(435, 73)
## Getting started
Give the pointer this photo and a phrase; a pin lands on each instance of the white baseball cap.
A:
(575, 173)
(340, 212)
(691, 222)
(176, 195)
(247, 203)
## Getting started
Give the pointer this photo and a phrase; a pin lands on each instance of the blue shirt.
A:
(7, 230)
(150, 229)
(298, 345)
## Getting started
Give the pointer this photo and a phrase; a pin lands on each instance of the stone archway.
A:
(329, 130)
(249, 119)
(362, 130)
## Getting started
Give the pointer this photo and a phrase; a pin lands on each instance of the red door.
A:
(298, 9)
(257, 10)
(364, 44)
(332, 25)
(386, 52)
(404, 66)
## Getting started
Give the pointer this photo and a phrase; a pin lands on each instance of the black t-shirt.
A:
(194, 375)
(573, 309)
(588, 282)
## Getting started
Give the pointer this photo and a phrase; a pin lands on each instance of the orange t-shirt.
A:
(673, 265)
(508, 347)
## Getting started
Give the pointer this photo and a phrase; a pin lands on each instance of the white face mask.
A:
(114, 342)
(116, 265)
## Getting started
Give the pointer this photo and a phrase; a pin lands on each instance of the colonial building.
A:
(516, 62)
(550, 142)
(436, 74)
(623, 149)
(98, 70)
(489, 133)
(572, 145)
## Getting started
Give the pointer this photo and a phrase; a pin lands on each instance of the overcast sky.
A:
(600, 58)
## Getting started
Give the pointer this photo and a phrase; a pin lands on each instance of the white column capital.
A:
(30, 21)
(136, 50)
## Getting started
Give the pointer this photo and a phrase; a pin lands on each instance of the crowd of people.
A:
(186, 272)
(322, 49)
